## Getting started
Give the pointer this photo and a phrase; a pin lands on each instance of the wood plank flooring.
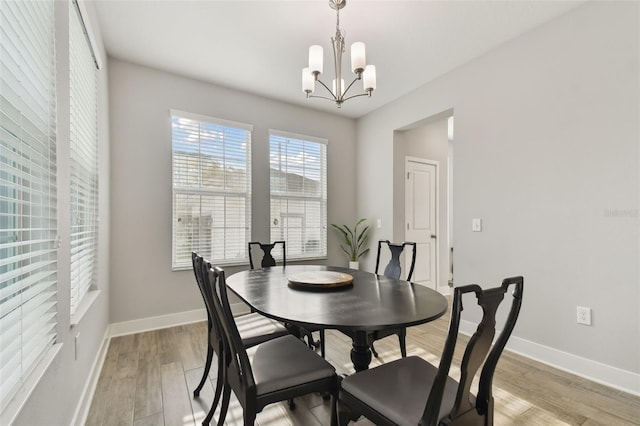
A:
(148, 379)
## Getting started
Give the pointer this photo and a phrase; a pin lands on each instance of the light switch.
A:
(379, 223)
(476, 224)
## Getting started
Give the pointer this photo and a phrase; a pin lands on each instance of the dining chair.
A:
(393, 270)
(414, 391)
(277, 370)
(253, 329)
(267, 261)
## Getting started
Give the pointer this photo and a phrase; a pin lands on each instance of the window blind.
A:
(28, 228)
(83, 135)
(298, 182)
(211, 189)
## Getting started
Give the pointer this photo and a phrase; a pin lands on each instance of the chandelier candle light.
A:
(362, 71)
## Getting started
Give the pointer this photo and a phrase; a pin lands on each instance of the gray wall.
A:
(546, 153)
(143, 284)
(58, 394)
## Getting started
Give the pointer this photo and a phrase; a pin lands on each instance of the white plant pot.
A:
(354, 265)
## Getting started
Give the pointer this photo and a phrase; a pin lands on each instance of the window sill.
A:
(305, 259)
(246, 263)
(84, 306)
(243, 262)
(14, 407)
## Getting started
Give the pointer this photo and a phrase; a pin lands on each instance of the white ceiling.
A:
(261, 46)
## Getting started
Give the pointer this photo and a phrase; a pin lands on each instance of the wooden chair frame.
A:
(238, 371)
(480, 354)
(267, 259)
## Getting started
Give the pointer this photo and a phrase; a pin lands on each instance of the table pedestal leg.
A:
(360, 352)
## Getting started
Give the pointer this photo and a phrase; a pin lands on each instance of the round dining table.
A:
(370, 302)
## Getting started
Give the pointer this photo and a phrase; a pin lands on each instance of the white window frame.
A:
(202, 238)
(84, 173)
(28, 200)
(278, 229)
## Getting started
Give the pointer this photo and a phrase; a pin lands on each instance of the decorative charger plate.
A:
(320, 280)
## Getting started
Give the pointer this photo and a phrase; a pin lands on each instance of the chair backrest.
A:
(393, 268)
(239, 372)
(267, 258)
(475, 355)
(200, 264)
(196, 261)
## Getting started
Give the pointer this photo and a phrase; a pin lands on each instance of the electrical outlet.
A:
(584, 315)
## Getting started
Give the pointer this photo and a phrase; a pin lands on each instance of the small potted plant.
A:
(354, 242)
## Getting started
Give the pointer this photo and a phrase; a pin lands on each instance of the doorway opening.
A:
(423, 197)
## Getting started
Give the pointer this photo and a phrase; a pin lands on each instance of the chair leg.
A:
(207, 420)
(219, 383)
(343, 414)
(217, 394)
(313, 344)
(373, 350)
(402, 338)
(249, 418)
(226, 395)
(205, 375)
(334, 409)
(322, 342)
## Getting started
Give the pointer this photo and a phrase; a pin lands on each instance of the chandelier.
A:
(338, 92)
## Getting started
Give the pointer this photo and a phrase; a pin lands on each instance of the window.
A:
(28, 228)
(83, 138)
(299, 193)
(211, 189)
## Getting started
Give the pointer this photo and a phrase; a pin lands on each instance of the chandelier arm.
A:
(328, 90)
(349, 87)
(323, 97)
(358, 95)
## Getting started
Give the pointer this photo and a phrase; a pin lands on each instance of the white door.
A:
(421, 189)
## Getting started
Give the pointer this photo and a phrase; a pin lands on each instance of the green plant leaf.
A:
(363, 234)
(363, 252)
(353, 239)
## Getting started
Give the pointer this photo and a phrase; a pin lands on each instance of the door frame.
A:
(436, 164)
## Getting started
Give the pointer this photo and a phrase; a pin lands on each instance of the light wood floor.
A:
(148, 379)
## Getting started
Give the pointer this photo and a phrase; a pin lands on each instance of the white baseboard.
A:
(82, 410)
(445, 290)
(165, 321)
(598, 372)
(155, 323)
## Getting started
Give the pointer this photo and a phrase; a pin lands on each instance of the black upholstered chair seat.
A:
(406, 388)
(303, 366)
(255, 329)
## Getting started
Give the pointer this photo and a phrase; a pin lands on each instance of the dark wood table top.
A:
(373, 302)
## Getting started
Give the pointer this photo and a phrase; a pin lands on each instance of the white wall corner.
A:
(626, 381)
(82, 410)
